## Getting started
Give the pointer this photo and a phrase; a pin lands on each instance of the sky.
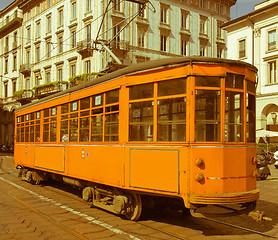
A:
(242, 7)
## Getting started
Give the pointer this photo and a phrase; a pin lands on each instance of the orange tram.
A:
(181, 129)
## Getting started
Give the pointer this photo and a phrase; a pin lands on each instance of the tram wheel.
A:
(134, 207)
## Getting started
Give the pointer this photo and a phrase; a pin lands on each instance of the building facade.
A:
(252, 38)
(51, 45)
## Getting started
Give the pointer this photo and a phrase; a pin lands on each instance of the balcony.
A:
(79, 79)
(11, 22)
(120, 45)
(25, 69)
(50, 88)
(85, 48)
(23, 96)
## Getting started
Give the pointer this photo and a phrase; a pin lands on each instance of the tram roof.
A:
(144, 66)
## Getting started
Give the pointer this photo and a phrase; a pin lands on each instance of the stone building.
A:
(252, 38)
(51, 45)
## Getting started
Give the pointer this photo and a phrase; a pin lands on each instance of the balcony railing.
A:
(121, 45)
(85, 47)
(23, 96)
(50, 88)
(79, 79)
(12, 20)
(25, 69)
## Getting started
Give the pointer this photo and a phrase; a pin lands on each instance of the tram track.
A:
(64, 193)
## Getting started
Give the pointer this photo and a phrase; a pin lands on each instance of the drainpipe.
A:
(253, 41)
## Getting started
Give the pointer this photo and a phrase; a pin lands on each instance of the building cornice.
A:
(250, 16)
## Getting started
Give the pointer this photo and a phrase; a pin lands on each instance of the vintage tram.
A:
(180, 128)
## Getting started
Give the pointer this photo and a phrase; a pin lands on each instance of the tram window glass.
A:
(53, 131)
(141, 121)
(234, 81)
(46, 113)
(233, 116)
(251, 87)
(73, 130)
(112, 96)
(74, 106)
(204, 81)
(85, 103)
(32, 116)
(171, 125)
(172, 87)
(46, 132)
(207, 116)
(84, 124)
(250, 105)
(26, 134)
(112, 127)
(141, 91)
(111, 131)
(96, 128)
(97, 100)
(32, 133)
(65, 108)
(22, 135)
(64, 131)
(53, 111)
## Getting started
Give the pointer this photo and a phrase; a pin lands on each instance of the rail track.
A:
(72, 193)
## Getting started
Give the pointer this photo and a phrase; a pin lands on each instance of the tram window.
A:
(38, 115)
(97, 100)
(112, 96)
(172, 87)
(52, 131)
(73, 131)
(65, 108)
(85, 103)
(37, 133)
(141, 91)
(74, 106)
(251, 87)
(64, 131)
(32, 133)
(97, 128)
(207, 116)
(234, 81)
(112, 127)
(84, 113)
(141, 121)
(46, 132)
(18, 134)
(112, 108)
(22, 135)
(250, 105)
(32, 116)
(18, 119)
(26, 134)
(84, 124)
(233, 117)
(53, 111)
(204, 81)
(46, 113)
(22, 118)
(171, 125)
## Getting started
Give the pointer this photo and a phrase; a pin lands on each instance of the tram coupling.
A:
(259, 216)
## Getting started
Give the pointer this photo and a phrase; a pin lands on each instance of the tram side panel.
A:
(224, 170)
(102, 164)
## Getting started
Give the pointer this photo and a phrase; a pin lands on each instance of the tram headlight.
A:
(199, 177)
(200, 163)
